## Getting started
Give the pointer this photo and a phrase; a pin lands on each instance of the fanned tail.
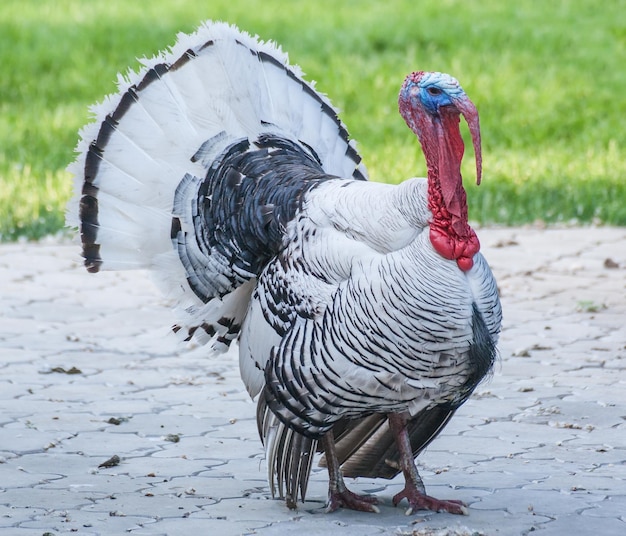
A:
(142, 164)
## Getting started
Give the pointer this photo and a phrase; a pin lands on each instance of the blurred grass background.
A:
(547, 77)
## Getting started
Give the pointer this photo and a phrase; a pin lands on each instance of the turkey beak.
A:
(469, 112)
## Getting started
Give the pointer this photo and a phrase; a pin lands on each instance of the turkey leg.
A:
(414, 490)
(339, 496)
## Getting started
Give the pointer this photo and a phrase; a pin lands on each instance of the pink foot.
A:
(351, 501)
(420, 501)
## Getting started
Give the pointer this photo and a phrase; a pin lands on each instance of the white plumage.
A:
(225, 89)
(364, 312)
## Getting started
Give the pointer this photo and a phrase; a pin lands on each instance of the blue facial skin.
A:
(435, 90)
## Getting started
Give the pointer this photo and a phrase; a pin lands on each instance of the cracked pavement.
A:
(89, 370)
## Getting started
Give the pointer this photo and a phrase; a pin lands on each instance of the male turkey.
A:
(364, 311)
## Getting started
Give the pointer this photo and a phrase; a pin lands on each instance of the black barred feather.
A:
(366, 448)
(251, 191)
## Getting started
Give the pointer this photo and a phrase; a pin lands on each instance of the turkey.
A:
(364, 312)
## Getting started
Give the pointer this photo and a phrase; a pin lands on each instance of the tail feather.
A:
(161, 133)
(351, 435)
(289, 456)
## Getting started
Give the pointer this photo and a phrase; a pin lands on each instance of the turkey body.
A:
(376, 322)
(364, 312)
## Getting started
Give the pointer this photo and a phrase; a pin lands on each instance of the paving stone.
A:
(100, 523)
(581, 524)
(200, 525)
(11, 516)
(41, 498)
(321, 527)
(611, 507)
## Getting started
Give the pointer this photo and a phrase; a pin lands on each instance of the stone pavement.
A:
(89, 370)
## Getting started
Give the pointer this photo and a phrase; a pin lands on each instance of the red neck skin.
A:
(450, 233)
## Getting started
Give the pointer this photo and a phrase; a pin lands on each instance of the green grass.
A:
(548, 79)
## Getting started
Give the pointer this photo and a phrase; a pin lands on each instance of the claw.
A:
(339, 496)
(420, 501)
(352, 501)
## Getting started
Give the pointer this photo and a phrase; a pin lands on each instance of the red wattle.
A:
(465, 263)
(455, 248)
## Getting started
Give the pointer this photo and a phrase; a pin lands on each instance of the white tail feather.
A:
(214, 81)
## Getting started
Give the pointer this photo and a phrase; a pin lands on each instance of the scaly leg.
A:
(339, 496)
(414, 490)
